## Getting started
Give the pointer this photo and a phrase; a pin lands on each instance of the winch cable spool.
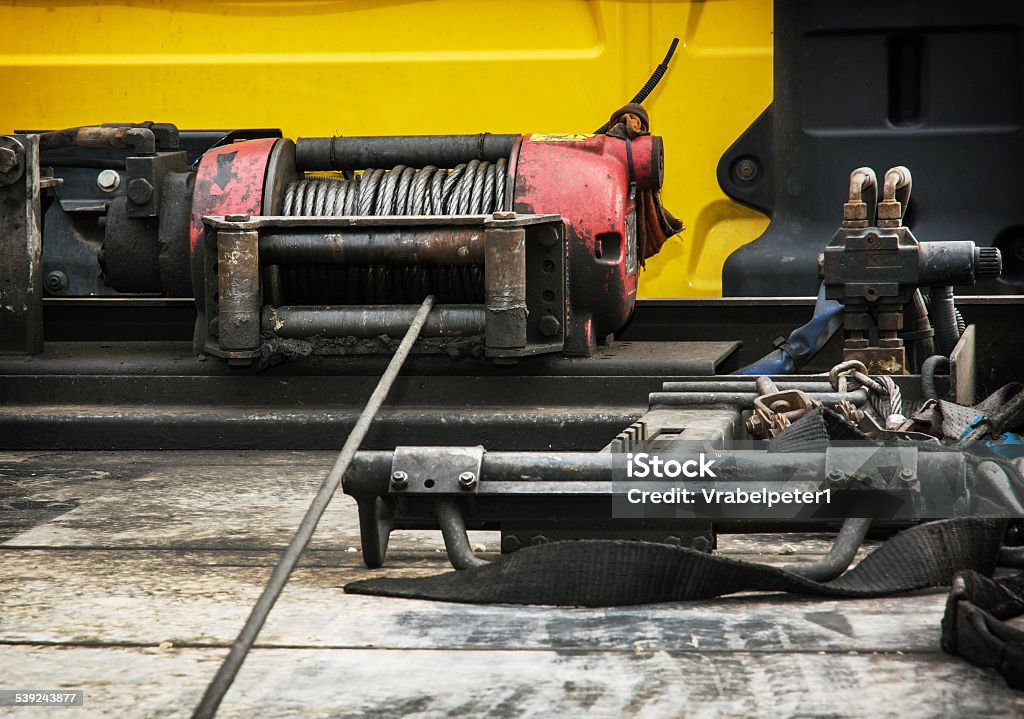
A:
(473, 188)
(228, 670)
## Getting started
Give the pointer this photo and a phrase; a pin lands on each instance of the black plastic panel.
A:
(935, 86)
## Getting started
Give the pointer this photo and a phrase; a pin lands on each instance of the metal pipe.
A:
(844, 549)
(740, 385)
(360, 153)
(376, 246)
(858, 397)
(221, 682)
(371, 470)
(141, 139)
(303, 322)
(861, 180)
(453, 530)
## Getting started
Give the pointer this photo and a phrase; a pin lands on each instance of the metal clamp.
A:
(436, 470)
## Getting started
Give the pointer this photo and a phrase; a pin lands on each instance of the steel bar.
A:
(221, 682)
(303, 322)
(547, 472)
(858, 397)
(376, 245)
(505, 288)
(453, 530)
(844, 549)
(238, 283)
(360, 153)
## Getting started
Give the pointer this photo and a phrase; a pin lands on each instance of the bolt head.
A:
(746, 169)
(467, 480)
(108, 180)
(836, 475)
(236, 218)
(504, 216)
(140, 191)
(399, 479)
(908, 475)
(56, 281)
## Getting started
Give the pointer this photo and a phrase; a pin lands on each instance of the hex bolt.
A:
(746, 169)
(56, 281)
(8, 159)
(108, 180)
(836, 475)
(538, 540)
(908, 475)
(549, 325)
(236, 218)
(467, 480)
(399, 479)
(504, 216)
(140, 191)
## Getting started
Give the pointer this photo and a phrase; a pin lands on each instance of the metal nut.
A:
(467, 480)
(108, 180)
(908, 475)
(236, 218)
(836, 475)
(140, 191)
(8, 159)
(504, 216)
(399, 479)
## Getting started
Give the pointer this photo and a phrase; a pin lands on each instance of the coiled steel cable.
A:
(473, 188)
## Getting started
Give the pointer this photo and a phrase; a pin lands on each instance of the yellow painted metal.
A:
(358, 67)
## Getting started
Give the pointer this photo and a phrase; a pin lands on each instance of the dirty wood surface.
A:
(128, 574)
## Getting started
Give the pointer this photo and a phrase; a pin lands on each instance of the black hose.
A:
(928, 368)
(87, 163)
(652, 82)
(943, 312)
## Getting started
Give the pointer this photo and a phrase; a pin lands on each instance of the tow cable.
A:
(222, 681)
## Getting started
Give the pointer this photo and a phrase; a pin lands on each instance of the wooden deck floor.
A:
(127, 574)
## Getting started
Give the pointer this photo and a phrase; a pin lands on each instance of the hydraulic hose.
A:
(943, 312)
(804, 342)
(928, 369)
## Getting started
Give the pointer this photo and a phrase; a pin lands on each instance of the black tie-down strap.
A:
(974, 625)
(601, 573)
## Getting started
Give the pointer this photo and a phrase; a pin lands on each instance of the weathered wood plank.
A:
(202, 598)
(383, 683)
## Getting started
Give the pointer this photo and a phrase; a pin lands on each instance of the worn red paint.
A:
(229, 181)
(587, 182)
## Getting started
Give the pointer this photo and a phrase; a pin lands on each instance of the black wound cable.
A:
(652, 82)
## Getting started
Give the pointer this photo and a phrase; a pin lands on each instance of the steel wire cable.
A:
(473, 188)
